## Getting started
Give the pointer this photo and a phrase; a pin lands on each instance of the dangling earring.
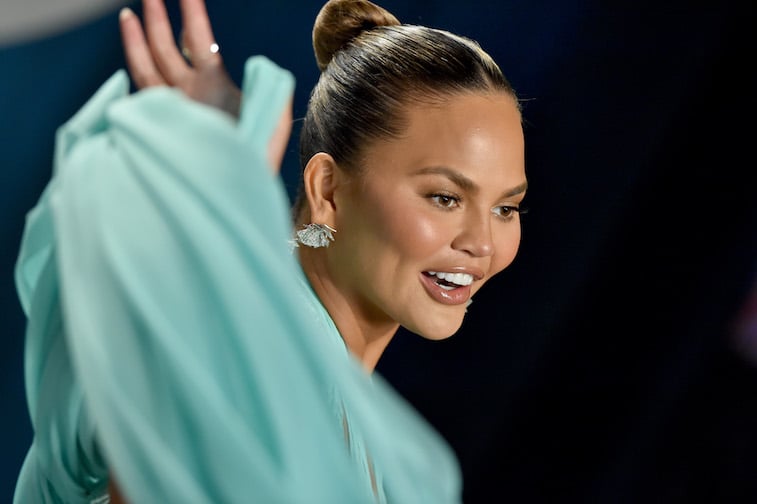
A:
(315, 235)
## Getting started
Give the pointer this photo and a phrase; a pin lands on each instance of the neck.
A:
(366, 335)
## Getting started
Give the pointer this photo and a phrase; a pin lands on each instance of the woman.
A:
(176, 351)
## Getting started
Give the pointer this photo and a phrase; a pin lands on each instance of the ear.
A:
(320, 181)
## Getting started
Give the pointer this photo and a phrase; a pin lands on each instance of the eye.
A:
(507, 212)
(445, 201)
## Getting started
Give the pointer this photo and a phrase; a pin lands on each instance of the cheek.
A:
(408, 229)
(507, 248)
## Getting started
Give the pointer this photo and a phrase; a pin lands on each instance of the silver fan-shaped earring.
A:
(314, 235)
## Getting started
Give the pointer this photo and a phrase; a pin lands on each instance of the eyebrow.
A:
(464, 182)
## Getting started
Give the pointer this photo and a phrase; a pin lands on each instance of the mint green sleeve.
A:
(169, 339)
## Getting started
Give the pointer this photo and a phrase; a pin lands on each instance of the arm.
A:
(207, 378)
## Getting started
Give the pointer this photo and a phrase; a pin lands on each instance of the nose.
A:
(475, 236)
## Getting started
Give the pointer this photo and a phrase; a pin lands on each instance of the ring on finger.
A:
(214, 48)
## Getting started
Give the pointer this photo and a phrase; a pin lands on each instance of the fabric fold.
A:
(169, 333)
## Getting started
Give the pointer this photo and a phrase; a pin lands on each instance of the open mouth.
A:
(450, 281)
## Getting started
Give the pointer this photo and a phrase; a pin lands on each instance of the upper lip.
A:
(476, 273)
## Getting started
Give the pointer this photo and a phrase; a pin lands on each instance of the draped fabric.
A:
(172, 339)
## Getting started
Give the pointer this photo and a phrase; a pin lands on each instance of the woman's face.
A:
(433, 215)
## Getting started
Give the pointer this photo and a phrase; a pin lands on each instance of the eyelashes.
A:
(507, 212)
(445, 201)
(449, 202)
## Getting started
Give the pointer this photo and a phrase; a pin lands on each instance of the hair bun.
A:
(340, 21)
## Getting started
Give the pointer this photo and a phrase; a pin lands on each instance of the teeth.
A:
(455, 278)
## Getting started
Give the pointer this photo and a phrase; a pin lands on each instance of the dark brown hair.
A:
(371, 67)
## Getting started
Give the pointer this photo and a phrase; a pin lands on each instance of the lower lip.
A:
(455, 296)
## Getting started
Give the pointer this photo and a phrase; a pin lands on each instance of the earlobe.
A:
(320, 178)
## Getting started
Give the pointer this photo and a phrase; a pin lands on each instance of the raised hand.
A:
(154, 59)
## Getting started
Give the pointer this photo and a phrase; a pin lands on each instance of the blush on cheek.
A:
(398, 219)
(416, 234)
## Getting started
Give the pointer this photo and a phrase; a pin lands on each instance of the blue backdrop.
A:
(605, 364)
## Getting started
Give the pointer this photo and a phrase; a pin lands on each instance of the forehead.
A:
(479, 134)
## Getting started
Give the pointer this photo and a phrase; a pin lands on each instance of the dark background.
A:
(610, 363)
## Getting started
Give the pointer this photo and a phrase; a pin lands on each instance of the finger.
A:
(162, 44)
(198, 33)
(139, 59)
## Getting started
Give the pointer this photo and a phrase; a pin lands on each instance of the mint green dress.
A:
(172, 338)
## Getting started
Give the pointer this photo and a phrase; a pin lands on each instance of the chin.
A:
(436, 332)
(437, 337)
